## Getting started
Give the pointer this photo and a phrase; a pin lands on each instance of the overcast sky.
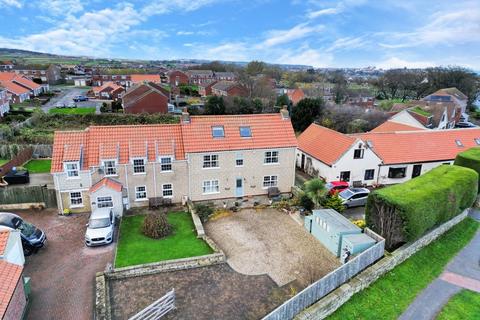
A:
(322, 33)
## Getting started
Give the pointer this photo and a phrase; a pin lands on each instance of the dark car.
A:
(465, 124)
(80, 98)
(17, 177)
(32, 237)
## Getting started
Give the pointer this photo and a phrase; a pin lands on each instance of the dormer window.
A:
(71, 168)
(110, 167)
(218, 132)
(245, 132)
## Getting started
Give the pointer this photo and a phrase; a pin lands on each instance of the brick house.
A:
(146, 97)
(138, 78)
(46, 74)
(4, 101)
(295, 95)
(19, 88)
(123, 80)
(228, 89)
(108, 91)
(205, 89)
(201, 158)
(224, 76)
(6, 65)
(200, 76)
(177, 77)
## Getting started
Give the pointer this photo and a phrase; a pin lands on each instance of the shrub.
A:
(406, 211)
(316, 190)
(469, 159)
(156, 226)
(360, 223)
(305, 201)
(203, 211)
(334, 202)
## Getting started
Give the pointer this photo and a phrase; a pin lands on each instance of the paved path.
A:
(462, 272)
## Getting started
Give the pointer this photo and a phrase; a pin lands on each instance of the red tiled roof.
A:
(21, 81)
(295, 95)
(392, 126)
(3, 241)
(421, 145)
(324, 144)
(107, 182)
(107, 85)
(13, 87)
(268, 131)
(9, 276)
(136, 78)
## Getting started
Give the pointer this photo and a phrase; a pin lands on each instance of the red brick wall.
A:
(17, 304)
(236, 91)
(152, 103)
(182, 77)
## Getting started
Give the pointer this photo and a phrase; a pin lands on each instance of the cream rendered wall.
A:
(315, 167)
(107, 192)
(383, 177)
(14, 251)
(252, 172)
(405, 118)
(63, 183)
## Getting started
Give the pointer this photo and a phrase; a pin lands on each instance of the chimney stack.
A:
(185, 116)
(284, 113)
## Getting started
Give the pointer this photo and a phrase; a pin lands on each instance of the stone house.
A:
(393, 153)
(201, 158)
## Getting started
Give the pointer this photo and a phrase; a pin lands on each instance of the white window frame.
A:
(210, 187)
(144, 165)
(270, 157)
(239, 160)
(211, 163)
(167, 190)
(103, 200)
(72, 199)
(72, 173)
(166, 164)
(270, 181)
(137, 192)
(105, 168)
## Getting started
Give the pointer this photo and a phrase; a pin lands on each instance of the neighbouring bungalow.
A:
(108, 91)
(201, 158)
(18, 87)
(380, 156)
(228, 89)
(146, 97)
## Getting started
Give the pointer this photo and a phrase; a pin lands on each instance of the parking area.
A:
(268, 241)
(62, 274)
(65, 97)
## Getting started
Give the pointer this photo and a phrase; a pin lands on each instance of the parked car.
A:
(354, 197)
(336, 186)
(465, 124)
(80, 98)
(100, 227)
(17, 177)
(32, 237)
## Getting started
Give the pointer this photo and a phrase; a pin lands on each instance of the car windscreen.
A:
(99, 223)
(346, 194)
(27, 229)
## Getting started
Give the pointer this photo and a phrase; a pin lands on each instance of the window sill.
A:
(111, 175)
(73, 178)
(266, 188)
(208, 193)
(139, 173)
(76, 206)
(211, 168)
(140, 200)
(271, 164)
(167, 197)
(166, 171)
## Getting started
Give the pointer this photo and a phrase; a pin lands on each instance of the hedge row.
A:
(404, 212)
(469, 159)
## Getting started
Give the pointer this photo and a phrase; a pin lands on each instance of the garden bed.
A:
(134, 248)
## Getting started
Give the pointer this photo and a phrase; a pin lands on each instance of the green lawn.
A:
(463, 305)
(389, 296)
(87, 110)
(135, 248)
(38, 166)
(3, 161)
(420, 111)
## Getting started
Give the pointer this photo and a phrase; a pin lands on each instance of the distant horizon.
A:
(323, 34)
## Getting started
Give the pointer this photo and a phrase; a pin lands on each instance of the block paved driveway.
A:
(62, 274)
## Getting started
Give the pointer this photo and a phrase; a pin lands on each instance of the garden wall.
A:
(22, 157)
(319, 289)
(28, 195)
(341, 295)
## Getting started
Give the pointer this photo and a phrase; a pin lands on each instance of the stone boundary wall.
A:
(196, 219)
(326, 306)
(102, 298)
(22, 206)
(317, 290)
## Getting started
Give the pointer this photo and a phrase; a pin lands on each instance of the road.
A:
(66, 98)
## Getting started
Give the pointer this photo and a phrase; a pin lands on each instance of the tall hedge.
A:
(404, 212)
(469, 159)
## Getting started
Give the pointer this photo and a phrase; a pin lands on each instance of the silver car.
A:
(354, 197)
(100, 227)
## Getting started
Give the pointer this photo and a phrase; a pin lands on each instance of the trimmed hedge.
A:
(406, 211)
(469, 159)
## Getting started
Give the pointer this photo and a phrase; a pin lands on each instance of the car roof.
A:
(7, 217)
(100, 213)
(358, 190)
(339, 183)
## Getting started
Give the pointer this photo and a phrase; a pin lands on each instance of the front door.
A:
(417, 170)
(303, 162)
(239, 188)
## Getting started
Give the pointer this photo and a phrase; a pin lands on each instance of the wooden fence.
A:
(13, 195)
(22, 157)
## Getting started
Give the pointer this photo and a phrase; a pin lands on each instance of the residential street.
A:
(66, 98)
(462, 272)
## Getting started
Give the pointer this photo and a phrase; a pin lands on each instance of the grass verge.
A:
(38, 166)
(135, 248)
(3, 161)
(389, 296)
(79, 110)
(463, 305)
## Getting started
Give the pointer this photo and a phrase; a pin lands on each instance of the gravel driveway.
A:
(63, 272)
(270, 242)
